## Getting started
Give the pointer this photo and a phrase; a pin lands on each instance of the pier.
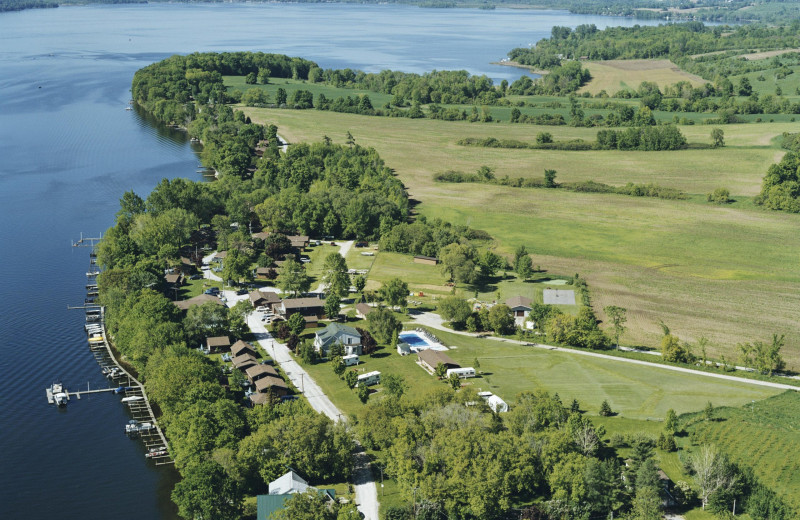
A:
(127, 386)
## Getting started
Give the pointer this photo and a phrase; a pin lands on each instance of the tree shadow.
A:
(380, 355)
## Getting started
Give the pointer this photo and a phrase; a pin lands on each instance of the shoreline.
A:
(515, 64)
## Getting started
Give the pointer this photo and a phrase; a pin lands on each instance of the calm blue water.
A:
(68, 150)
(413, 339)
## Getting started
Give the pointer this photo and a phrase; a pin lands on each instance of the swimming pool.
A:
(413, 339)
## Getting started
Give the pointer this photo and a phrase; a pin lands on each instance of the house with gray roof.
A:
(336, 333)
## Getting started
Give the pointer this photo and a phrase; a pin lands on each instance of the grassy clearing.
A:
(703, 269)
(762, 435)
(615, 75)
(355, 260)
(765, 82)
(420, 277)
(292, 85)
(501, 289)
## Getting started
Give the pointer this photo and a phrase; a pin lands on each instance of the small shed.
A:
(428, 260)
(363, 309)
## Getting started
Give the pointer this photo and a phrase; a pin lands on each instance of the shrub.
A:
(720, 196)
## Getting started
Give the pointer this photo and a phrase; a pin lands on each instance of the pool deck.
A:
(422, 342)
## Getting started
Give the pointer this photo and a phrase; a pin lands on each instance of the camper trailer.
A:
(350, 360)
(369, 379)
(463, 373)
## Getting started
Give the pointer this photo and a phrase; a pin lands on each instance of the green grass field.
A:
(705, 270)
(763, 435)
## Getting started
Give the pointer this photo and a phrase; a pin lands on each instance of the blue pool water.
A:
(413, 339)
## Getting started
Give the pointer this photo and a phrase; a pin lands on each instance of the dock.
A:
(76, 395)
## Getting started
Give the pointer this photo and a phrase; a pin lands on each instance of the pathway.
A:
(364, 482)
(343, 250)
(435, 321)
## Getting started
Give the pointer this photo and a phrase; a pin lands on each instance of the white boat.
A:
(132, 399)
(60, 397)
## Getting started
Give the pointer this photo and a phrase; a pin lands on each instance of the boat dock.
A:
(144, 424)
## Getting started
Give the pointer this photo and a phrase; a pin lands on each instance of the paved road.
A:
(435, 321)
(363, 479)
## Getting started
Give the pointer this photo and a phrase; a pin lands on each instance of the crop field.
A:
(763, 434)
(726, 273)
(615, 75)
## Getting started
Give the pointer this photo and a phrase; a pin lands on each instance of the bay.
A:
(69, 150)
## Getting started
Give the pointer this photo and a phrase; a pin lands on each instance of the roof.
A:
(334, 331)
(173, 277)
(218, 341)
(221, 254)
(434, 357)
(302, 303)
(268, 504)
(244, 360)
(263, 270)
(259, 369)
(265, 383)
(262, 235)
(241, 346)
(186, 261)
(289, 482)
(519, 301)
(197, 300)
(364, 309)
(270, 297)
(298, 240)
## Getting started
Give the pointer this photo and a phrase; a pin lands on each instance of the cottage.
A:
(272, 384)
(184, 305)
(299, 241)
(264, 299)
(363, 309)
(244, 361)
(308, 307)
(520, 306)
(174, 279)
(428, 260)
(266, 273)
(263, 235)
(218, 343)
(430, 359)
(241, 347)
(257, 372)
(336, 333)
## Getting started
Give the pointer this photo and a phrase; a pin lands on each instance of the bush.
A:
(720, 196)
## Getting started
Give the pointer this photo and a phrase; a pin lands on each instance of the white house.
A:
(336, 333)
(289, 483)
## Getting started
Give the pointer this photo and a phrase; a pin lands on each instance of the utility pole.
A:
(302, 383)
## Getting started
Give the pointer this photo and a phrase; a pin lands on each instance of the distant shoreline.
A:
(518, 65)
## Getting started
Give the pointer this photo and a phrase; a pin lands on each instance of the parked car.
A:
(213, 291)
(195, 277)
(241, 292)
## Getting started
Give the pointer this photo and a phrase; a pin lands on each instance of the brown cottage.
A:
(260, 371)
(197, 300)
(242, 347)
(430, 359)
(264, 299)
(277, 385)
(218, 343)
(244, 361)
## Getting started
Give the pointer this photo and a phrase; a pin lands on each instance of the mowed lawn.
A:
(633, 391)
(726, 273)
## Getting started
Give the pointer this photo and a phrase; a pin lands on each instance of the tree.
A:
(719, 196)
(395, 293)
(519, 253)
(368, 343)
(476, 364)
(338, 365)
(236, 266)
(671, 422)
(454, 381)
(500, 319)
(490, 263)
(458, 262)
(605, 409)
(440, 371)
(205, 491)
(717, 137)
(525, 267)
(455, 310)
(250, 79)
(351, 378)
(292, 278)
(674, 351)
(394, 385)
(363, 393)
(763, 357)
(359, 282)
(550, 179)
(332, 306)
(263, 76)
(618, 317)
(382, 323)
(208, 319)
(708, 411)
(350, 140)
(712, 471)
(575, 407)
(311, 505)
(296, 323)
(334, 275)
(280, 97)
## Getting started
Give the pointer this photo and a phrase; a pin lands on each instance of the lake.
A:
(70, 150)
